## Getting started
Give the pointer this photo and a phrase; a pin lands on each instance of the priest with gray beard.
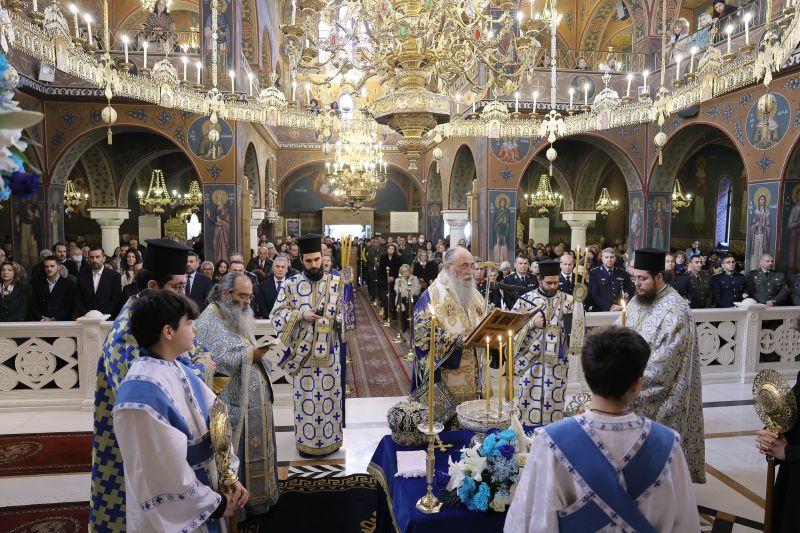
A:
(226, 330)
(459, 308)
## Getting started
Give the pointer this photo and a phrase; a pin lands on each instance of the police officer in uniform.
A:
(729, 286)
(608, 284)
(765, 286)
(678, 280)
(699, 291)
(520, 277)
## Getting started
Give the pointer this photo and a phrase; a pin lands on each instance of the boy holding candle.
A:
(572, 479)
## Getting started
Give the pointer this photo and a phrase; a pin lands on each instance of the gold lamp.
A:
(544, 198)
(72, 198)
(157, 199)
(679, 200)
(605, 203)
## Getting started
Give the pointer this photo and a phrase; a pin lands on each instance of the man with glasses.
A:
(671, 393)
(729, 286)
(226, 331)
(165, 269)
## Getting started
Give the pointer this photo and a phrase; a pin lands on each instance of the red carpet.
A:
(377, 366)
(56, 517)
(29, 454)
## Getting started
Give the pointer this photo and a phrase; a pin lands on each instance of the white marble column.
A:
(578, 221)
(110, 219)
(256, 218)
(456, 220)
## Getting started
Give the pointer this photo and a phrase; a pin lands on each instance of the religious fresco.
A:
(511, 149)
(658, 220)
(789, 260)
(766, 127)
(434, 221)
(635, 221)
(762, 214)
(219, 228)
(578, 83)
(202, 146)
(502, 225)
(56, 214)
(28, 220)
(310, 193)
(479, 241)
(225, 29)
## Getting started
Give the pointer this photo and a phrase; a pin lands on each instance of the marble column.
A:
(578, 221)
(110, 219)
(256, 218)
(456, 220)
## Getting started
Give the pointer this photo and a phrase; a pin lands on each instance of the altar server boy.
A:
(161, 419)
(606, 469)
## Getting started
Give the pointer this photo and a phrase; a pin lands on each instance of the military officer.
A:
(794, 287)
(608, 284)
(729, 286)
(766, 286)
(678, 280)
(699, 291)
(521, 277)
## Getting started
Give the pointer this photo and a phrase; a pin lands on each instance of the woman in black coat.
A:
(14, 295)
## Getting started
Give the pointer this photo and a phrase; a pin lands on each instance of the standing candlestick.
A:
(473, 107)
(431, 366)
(487, 386)
(88, 19)
(692, 51)
(74, 10)
(628, 90)
(585, 263)
(458, 102)
(510, 366)
(145, 46)
(624, 311)
(499, 375)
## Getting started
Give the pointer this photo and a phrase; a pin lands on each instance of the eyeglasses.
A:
(178, 286)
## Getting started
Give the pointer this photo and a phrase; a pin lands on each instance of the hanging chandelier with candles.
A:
(72, 198)
(605, 203)
(193, 199)
(679, 200)
(544, 198)
(157, 199)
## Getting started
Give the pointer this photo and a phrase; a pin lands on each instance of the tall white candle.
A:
(586, 94)
(125, 41)
(250, 81)
(516, 102)
(308, 93)
(145, 46)
(294, 12)
(628, 90)
(535, 96)
(678, 67)
(693, 51)
(747, 17)
(571, 94)
(185, 62)
(232, 76)
(88, 18)
(199, 68)
(35, 7)
(644, 82)
(294, 89)
(74, 10)
(729, 30)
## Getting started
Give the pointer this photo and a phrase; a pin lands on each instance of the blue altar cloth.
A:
(398, 496)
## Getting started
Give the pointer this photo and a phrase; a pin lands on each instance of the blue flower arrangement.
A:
(486, 475)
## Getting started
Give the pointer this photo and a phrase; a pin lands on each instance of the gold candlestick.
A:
(500, 375)
(429, 503)
(398, 339)
(388, 313)
(431, 368)
(487, 387)
(510, 367)
(410, 355)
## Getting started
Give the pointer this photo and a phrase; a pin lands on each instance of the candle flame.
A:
(500, 338)
(430, 308)
(487, 338)
(510, 333)
(622, 303)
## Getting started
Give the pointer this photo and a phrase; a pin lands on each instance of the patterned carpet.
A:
(377, 367)
(55, 517)
(31, 454)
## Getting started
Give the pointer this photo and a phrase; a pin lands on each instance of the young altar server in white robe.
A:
(607, 469)
(161, 419)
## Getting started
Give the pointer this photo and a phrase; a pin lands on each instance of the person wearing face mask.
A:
(75, 264)
(312, 317)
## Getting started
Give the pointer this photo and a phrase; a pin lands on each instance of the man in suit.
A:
(766, 286)
(75, 264)
(238, 258)
(60, 253)
(388, 270)
(730, 286)
(100, 288)
(269, 289)
(260, 261)
(521, 277)
(566, 283)
(53, 296)
(405, 251)
(198, 287)
(608, 284)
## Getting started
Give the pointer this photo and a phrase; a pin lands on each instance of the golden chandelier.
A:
(544, 198)
(679, 200)
(605, 203)
(157, 198)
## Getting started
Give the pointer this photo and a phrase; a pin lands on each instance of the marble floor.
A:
(734, 491)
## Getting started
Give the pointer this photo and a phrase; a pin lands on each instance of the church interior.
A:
(401, 132)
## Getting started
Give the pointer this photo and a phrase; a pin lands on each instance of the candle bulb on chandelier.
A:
(294, 12)
(88, 19)
(519, 22)
(294, 90)
(232, 76)
(145, 46)
(692, 51)
(747, 17)
(458, 103)
(729, 31)
(250, 83)
(571, 94)
(125, 42)
(644, 82)
(308, 93)
(586, 94)
(628, 90)
(535, 96)
(199, 68)
(35, 7)
(185, 61)
(531, 8)
(516, 102)
(74, 10)
(678, 59)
